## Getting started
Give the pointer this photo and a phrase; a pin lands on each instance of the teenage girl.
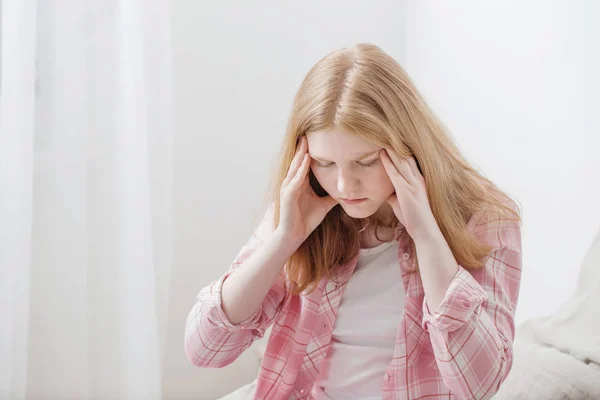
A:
(386, 265)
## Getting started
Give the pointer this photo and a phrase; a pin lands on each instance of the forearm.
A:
(437, 267)
(246, 288)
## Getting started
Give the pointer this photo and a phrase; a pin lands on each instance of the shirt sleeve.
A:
(211, 340)
(473, 329)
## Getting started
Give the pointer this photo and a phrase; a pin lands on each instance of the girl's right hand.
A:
(301, 209)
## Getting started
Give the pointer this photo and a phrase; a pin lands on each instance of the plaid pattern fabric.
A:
(463, 350)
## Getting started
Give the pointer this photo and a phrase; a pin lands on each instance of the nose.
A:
(347, 183)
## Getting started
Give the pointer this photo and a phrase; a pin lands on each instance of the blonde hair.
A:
(365, 92)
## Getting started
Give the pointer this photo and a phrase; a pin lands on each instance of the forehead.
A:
(337, 142)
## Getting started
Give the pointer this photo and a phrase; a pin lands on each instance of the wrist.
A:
(428, 237)
(286, 241)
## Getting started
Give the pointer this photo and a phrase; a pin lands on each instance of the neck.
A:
(384, 215)
(369, 239)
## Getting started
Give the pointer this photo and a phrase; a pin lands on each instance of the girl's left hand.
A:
(409, 202)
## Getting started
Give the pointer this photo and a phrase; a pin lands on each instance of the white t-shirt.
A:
(365, 330)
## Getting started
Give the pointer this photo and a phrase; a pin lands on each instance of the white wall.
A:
(513, 82)
(517, 84)
(237, 68)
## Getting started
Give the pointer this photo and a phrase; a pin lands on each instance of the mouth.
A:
(353, 201)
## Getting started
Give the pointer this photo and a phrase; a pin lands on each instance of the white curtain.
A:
(86, 128)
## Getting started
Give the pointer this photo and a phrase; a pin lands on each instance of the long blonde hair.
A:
(365, 92)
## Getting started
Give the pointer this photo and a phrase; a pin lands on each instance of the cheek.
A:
(323, 178)
(380, 183)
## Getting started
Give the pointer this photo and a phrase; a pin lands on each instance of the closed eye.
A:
(324, 165)
(369, 164)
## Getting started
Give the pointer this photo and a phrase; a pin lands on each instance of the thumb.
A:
(328, 202)
(392, 200)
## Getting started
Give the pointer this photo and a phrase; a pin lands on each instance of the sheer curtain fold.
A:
(86, 128)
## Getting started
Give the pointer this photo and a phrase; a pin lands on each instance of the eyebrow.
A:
(360, 157)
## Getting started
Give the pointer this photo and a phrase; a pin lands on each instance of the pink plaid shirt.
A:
(463, 350)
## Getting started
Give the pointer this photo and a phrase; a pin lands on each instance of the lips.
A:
(353, 201)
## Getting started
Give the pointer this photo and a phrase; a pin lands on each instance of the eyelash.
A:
(362, 165)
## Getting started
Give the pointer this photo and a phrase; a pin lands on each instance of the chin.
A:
(359, 210)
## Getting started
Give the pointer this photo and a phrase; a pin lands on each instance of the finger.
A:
(296, 161)
(402, 166)
(301, 173)
(392, 200)
(412, 162)
(298, 156)
(328, 202)
(397, 179)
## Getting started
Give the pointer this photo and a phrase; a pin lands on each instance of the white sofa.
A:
(558, 356)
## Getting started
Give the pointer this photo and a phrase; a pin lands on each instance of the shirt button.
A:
(302, 391)
(405, 256)
(386, 377)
